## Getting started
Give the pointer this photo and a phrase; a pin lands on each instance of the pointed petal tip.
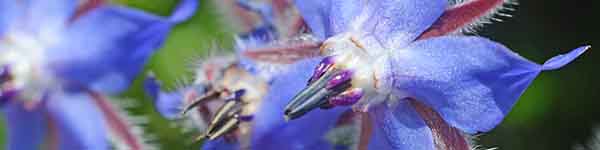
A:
(151, 86)
(184, 11)
(586, 47)
(559, 61)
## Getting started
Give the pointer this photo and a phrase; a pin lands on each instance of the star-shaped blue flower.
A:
(59, 57)
(398, 61)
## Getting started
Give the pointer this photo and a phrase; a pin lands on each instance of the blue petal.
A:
(389, 23)
(343, 14)
(264, 33)
(220, 144)
(8, 11)
(271, 131)
(48, 17)
(108, 47)
(26, 128)
(562, 60)
(399, 128)
(471, 81)
(184, 11)
(80, 123)
(168, 104)
(45, 18)
(395, 23)
(328, 17)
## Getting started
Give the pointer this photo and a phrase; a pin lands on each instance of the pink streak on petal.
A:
(460, 16)
(366, 130)
(53, 137)
(286, 54)
(444, 136)
(116, 123)
(86, 7)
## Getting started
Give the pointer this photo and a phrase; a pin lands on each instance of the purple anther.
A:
(339, 79)
(325, 64)
(347, 98)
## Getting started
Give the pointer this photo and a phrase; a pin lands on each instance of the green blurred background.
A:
(558, 111)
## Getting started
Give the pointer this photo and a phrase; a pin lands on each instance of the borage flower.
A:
(421, 87)
(59, 57)
(237, 101)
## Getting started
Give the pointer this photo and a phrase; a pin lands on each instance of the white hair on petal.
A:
(454, 2)
(135, 124)
(495, 15)
(190, 61)
(472, 141)
(215, 53)
(214, 49)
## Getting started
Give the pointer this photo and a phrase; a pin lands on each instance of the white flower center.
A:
(25, 56)
(368, 63)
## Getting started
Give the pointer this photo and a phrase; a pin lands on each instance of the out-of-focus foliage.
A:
(556, 112)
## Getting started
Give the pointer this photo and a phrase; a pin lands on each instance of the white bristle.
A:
(495, 15)
(135, 125)
(472, 141)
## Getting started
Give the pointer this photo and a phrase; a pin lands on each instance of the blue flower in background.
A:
(60, 57)
(259, 124)
(267, 88)
(394, 60)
